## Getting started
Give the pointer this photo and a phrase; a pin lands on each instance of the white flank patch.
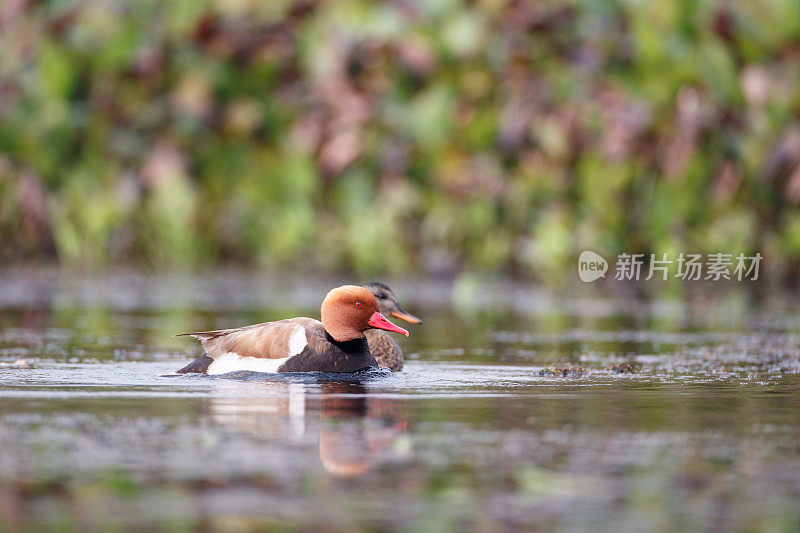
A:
(233, 362)
(297, 341)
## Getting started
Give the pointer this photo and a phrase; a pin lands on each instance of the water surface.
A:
(517, 408)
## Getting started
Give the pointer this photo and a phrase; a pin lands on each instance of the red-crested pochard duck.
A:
(336, 344)
(385, 351)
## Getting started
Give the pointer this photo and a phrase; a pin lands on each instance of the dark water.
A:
(517, 408)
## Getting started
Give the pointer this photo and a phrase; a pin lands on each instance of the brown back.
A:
(268, 340)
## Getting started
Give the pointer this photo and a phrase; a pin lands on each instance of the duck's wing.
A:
(268, 340)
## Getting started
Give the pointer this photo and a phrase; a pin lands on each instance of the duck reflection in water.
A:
(355, 432)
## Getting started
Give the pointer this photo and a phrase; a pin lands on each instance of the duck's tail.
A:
(198, 366)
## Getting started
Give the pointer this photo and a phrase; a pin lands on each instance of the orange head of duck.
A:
(348, 311)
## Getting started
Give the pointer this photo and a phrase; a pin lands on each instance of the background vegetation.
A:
(382, 136)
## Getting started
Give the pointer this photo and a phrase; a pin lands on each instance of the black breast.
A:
(324, 354)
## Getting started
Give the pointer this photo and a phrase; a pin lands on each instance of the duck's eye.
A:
(359, 304)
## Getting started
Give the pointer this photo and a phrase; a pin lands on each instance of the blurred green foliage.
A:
(382, 136)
